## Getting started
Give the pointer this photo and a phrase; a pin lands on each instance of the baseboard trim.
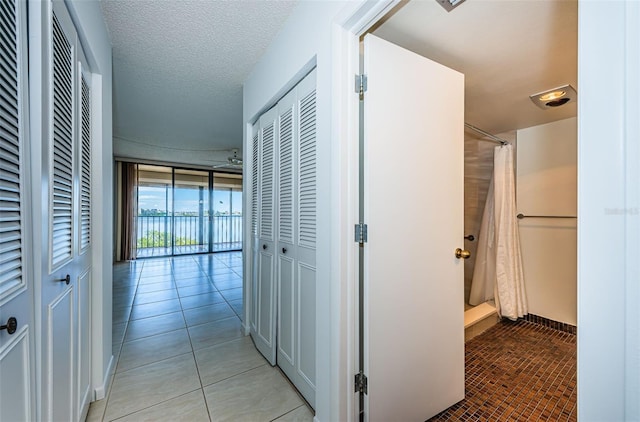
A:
(101, 392)
(549, 323)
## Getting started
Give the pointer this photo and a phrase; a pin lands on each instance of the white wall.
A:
(609, 211)
(547, 186)
(87, 17)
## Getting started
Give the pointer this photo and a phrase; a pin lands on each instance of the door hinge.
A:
(361, 383)
(361, 233)
(361, 85)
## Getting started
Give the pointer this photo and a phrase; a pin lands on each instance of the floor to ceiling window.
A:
(184, 211)
(227, 212)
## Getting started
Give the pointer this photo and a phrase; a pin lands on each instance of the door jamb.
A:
(353, 22)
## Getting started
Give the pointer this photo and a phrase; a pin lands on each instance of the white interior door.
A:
(17, 372)
(413, 193)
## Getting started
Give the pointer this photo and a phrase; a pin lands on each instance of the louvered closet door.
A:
(66, 149)
(297, 236)
(83, 256)
(252, 301)
(17, 370)
(264, 334)
(286, 251)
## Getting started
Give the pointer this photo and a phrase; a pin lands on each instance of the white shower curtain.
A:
(498, 270)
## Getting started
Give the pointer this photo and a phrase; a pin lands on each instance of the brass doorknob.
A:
(462, 253)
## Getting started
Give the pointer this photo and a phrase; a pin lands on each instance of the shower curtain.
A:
(498, 272)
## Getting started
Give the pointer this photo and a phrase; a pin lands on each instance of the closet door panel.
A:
(305, 228)
(287, 205)
(286, 314)
(264, 333)
(255, 171)
(306, 317)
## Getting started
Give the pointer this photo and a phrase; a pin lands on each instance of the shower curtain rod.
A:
(490, 137)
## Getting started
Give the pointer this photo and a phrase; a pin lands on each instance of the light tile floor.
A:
(179, 348)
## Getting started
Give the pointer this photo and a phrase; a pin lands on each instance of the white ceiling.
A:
(507, 50)
(179, 65)
(178, 69)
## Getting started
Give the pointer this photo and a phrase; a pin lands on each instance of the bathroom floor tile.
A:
(532, 369)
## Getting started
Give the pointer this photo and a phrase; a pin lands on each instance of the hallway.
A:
(179, 349)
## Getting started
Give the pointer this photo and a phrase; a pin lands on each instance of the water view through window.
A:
(183, 211)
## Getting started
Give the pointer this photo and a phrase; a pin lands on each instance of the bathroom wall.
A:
(547, 186)
(478, 170)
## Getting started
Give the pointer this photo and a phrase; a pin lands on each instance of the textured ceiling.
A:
(507, 50)
(178, 69)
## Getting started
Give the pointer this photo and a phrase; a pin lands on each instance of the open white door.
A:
(413, 202)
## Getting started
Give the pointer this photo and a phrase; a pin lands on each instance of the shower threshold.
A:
(479, 319)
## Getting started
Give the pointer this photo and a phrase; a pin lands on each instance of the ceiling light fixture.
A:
(449, 5)
(554, 97)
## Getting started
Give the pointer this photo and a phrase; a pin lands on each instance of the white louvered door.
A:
(296, 230)
(283, 308)
(83, 222)
(66, 217)
(17, 351)
(252, 302)
(264, 334)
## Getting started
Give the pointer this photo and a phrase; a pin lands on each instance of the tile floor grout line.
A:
(243, 372)
(195, 361)
(286, 413)
(153, 405)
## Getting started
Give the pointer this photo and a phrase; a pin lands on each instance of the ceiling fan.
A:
(233, 162)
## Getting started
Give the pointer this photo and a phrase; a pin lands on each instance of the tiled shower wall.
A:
(478, 169)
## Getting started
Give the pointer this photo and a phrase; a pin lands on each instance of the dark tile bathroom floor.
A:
(518, 371)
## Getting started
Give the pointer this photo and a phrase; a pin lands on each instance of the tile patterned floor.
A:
(518, 371)
(180, 351)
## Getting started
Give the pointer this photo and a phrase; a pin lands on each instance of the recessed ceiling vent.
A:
(449, 5)
(555, 97)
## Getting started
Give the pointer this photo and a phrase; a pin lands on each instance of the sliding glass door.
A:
(191, 212)
(227, 212)
(154, 221)
(185, 211)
